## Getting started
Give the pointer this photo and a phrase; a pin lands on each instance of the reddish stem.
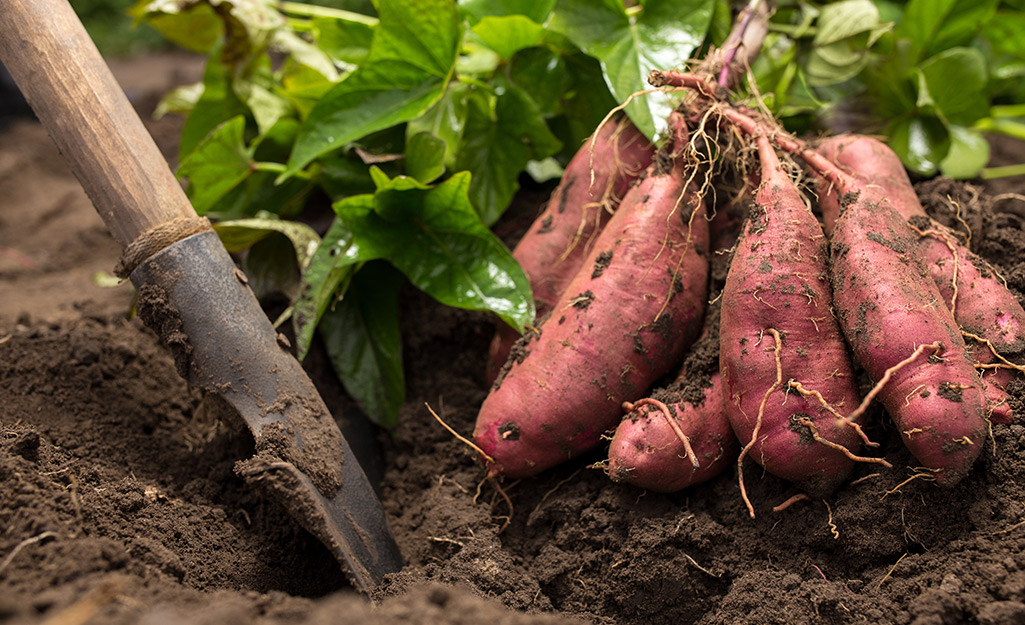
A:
(735, 40)
(788, 143)
(687, 80)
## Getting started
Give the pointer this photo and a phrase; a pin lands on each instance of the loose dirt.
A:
(118, 501)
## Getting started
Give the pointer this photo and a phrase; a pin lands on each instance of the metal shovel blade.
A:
(193, 296)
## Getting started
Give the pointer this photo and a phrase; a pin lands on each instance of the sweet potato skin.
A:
(553, 249)
(887, 310)
(778, 280)
(645, 451)
(984, 306)
(622, 322)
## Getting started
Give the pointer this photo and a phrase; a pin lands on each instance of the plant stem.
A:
(1008, 110)
(1004, 126)
(299, 25)
(791, 30)
(309, 10)
(279, 168)
(735, 40)
(989, 173)
(480, 84)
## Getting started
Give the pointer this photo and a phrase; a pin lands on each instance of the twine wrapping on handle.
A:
(156, 239)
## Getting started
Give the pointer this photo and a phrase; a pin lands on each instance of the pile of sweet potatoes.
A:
(840, 291)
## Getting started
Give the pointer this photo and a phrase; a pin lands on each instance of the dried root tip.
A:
(789, 502)
(924, 473)
(488, 460)
(498, 488)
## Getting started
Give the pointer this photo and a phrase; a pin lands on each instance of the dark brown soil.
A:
(118, 502)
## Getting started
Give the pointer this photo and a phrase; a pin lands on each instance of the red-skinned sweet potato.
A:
(895, 321)
(625, 320)
(983, 307)
(648, 450)
(553, 249)
(898, 328)
(779, 343)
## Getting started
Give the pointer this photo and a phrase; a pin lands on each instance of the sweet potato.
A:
(625, 319)
(648, 450)
(983, 306)
(787, 378)
(895, 322)
(900, 332)
(554, 248)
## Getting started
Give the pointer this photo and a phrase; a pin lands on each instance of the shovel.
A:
(190, 292)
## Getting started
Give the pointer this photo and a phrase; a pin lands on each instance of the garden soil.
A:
(119, 504)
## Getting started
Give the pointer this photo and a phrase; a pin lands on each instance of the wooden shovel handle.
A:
(69, 86)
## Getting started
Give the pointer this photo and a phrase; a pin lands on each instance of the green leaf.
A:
(411, 59)
(257, 91)
(921, 142)
(935, 25)
(969, 153)
(195, 26)
(477, 60)
(179, 100)
(845, 19)
(545, 170)
(509, 34)
(303, 87)
(218, 165)
(239, 234)
(1006, 33)
(361, 334)
(271, 267)
(890, 10)
(542, 74)
(342, 177)
(251, 27)
(106, 280)
(304, 53)
(342, 40)
(445, 120)
(259, 194)
(476, 10)
(329, 269)
(588, 98)
(404, 183)
(216, 105)
(276, 143)
(664, 35)
(366, 7)
(846, 31)
(834, 63)
(954, 82)
(722, 21)
(501, 136)
(425, 157)
(434, 237)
